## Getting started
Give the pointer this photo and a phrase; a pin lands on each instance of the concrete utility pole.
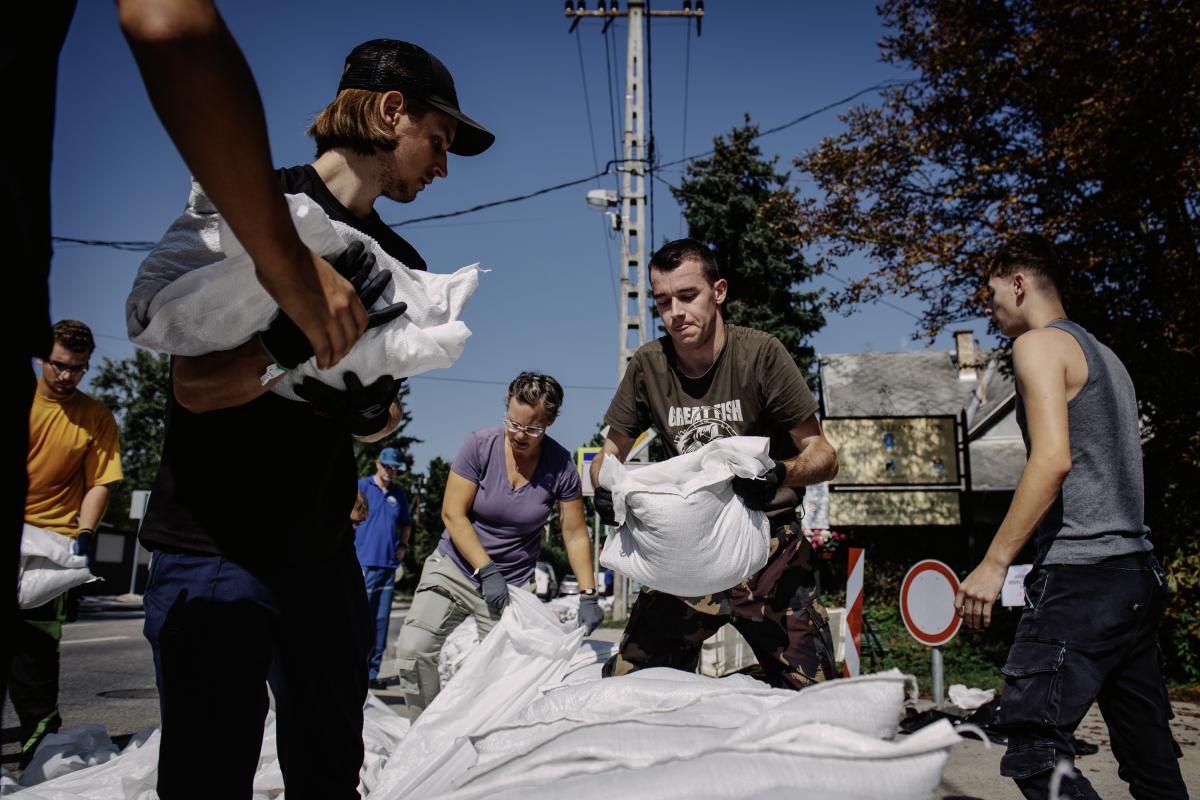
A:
(631, 330)
(634, 167)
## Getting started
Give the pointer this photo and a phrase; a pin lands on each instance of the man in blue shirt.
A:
(381, 540)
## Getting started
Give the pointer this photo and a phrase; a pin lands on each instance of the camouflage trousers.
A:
(776, 610)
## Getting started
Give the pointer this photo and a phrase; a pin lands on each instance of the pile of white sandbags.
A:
(526, 713)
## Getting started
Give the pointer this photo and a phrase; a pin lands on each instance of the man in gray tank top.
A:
(1089, 631)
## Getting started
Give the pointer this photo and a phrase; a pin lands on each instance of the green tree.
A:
(425, 494)
(1076, 120)
(735, 202)
(136, 391)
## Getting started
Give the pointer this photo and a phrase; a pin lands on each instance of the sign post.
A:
(138, 500)
(927, 608)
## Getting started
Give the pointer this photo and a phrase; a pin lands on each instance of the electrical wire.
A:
(687, 74)
(651, 156)
(587, 104)
(612, 99)
(142, 246)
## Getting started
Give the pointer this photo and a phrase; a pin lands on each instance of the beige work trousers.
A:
(443, 599)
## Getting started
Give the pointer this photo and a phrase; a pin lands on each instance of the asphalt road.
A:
(106, 677)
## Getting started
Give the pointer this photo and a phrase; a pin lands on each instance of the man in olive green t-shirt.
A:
(706, 380)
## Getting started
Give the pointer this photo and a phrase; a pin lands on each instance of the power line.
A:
(143, 246)
(687, 73)
(587, 103)
(503, 383)
(612, 102)
(653, 156)
(879, 300)
(133, 247)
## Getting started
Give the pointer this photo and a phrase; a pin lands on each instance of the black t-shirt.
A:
(753, 389)
(268, 482)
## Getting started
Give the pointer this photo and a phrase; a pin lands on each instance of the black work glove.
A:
(590, 614)
(495, 589)
(362, 410)
(757, 493)
(85, 545)
(602, 499)
(287, 345)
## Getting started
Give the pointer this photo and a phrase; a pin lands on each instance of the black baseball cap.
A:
(384, 65)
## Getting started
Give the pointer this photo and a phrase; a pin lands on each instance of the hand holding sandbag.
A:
(757, 493)
(495, 589)
(604, 506)
(590, 614)
(363, 410)
(287, 345)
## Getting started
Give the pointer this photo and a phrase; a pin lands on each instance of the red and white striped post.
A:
(854, 612)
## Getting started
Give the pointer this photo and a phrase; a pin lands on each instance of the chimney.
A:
(967, 355)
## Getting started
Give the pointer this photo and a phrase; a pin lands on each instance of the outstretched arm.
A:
(205, 95)
(1040, 366)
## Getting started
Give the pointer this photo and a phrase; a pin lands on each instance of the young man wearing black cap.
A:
(237, 600)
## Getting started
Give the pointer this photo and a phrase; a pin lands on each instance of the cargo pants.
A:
(443, 599)
(776, 610)
(1089, 633)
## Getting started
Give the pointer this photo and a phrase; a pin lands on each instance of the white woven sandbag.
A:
(48, 567)
(197, 293)
(682, 530)
(527, 650)
(591, 741)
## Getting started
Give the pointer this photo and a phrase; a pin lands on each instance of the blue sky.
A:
(549, 302)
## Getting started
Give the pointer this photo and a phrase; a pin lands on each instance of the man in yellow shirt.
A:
(74, 454)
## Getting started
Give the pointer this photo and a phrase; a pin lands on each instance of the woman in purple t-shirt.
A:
(502, 486)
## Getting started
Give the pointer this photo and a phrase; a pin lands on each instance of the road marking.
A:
(97, 639)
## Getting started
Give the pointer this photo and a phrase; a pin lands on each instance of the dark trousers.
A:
(776, 610)
(33, 685)
(220, 633)
(1090, 633)
(28, 76)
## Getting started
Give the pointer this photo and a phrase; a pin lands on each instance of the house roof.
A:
(910, 383)
(927, 383)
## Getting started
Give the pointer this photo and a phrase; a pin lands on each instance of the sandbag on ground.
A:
(527, 650)
(196, 293)
(682, 530)
(832, 741)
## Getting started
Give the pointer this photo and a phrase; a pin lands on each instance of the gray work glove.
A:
(590, 614)
(495, 589)
(757, 493)
(604, 506)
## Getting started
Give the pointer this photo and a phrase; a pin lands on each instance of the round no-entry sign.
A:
(927, 602)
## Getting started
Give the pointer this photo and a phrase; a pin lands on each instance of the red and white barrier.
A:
(854, 611)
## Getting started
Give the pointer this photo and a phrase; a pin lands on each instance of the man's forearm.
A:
(221, 380)
(91, 510)
(815, 464)
(206, 97)
(1036, 492)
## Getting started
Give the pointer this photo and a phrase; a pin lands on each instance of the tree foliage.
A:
(1076, 120)
(425, 492)
(735, 202)
(135, 389)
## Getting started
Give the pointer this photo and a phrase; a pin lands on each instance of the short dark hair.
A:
(532, 388)
(1028, 252)
(75, 336)
(668, 257)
